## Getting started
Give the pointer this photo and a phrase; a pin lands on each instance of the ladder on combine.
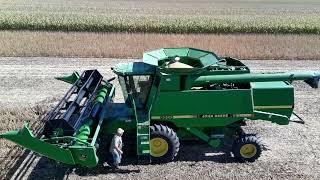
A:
(143, 135)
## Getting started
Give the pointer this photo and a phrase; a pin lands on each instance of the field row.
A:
(124, 45)
(163, 24)
(181, 16)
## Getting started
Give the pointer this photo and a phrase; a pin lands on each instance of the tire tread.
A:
(170, 135)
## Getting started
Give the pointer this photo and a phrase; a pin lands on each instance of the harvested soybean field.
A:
(28, 90)
(124, 45)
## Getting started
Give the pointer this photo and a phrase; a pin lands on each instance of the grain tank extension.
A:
(173, 95)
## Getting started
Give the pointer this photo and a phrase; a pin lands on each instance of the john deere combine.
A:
(175, 94)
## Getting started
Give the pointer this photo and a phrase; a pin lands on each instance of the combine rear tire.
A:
(164, 144)
(247, 148)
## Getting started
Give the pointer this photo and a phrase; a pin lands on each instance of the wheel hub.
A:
(158, 147)
(248, 150)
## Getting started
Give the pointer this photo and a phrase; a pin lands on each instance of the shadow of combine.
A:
(18, 162)
(100, 169)
(12, 161)
(48, 169)
(22, 164)
(189, 152)
(31, 166)
(197, 151)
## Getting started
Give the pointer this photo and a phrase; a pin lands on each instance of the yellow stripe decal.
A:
(274, 107)
(185, 116)
(202, 116)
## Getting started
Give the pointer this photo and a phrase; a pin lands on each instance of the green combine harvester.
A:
(173, 95)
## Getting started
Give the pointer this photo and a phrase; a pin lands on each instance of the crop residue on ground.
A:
(293, 151)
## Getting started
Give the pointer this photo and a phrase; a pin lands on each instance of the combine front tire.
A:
(247, 148)
(164, 144)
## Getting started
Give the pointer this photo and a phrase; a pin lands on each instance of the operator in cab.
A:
(116, 148)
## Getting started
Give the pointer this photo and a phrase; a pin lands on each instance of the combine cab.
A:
(175, 94)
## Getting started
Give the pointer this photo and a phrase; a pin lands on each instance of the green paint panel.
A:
(172, 52)
(152, 57)
(157, 57)
(271, 85)
(192, 102)
(202, 122)
(170, 83)
(274, 97)
(84, 156)
(207, 60)
(193, 53)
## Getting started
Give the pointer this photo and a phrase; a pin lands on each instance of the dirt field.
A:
(293, 151)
